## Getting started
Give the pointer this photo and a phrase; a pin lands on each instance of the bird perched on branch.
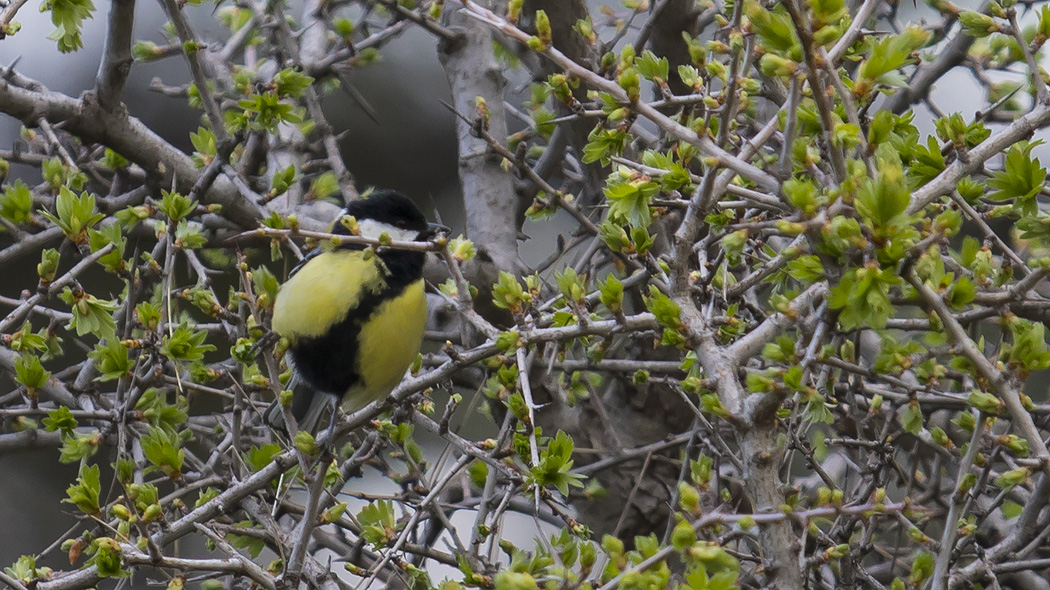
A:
(353, 317)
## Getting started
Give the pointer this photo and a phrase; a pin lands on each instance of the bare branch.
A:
(116, 55)
(128, 137)
(477, 88)
(676, 130)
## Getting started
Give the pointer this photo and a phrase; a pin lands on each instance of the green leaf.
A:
(48, 267)
(615, 237)
(60, 419)
(79, 447)
(1021, 178)
(265, 285)
(30, 373)
(652, 68)
(68, 17)
(817, 411)
(667, 312)
(85, 493)
(512, 580)
(1027, 348)
(882, 202)
(827, 11)
(254, 544)
(894, 356)
(147, 51)
(948, 222)
(985, 402)
(57, 174)
(189, 237)
(675, 177)
(891, 53)
(379, 522)
(841, 235)
(683, 536)
(148, 315)
(113, 261)
(176, 206)
(25, 570)
(602, 144)
(962, 292)
(282, 181)
(324, 186)
(206, 147)
(90, 315)
(16, 203)
(863, 295)
(611, 293)
(690, 76)
(782, 351)
(262, 455)
(733, 245)
(74, 214)
(629, 202)
(1015, 445)
(543, 27)
(723, 567)
(641, 240)
(978, 25)
(305, 442)
(555, 465)
(911, 418)
(806, 269)
(774, 65)
(163, 449)
(630, 81)
(953, 128)
(803, 194)
(508, 293)
(186, 344)
(27, 341)
(107, 558)
(159, 413)
(113, 160)
(264, 112)
(291, 83)
(775, 30)
(1013, 477)
(572, 286)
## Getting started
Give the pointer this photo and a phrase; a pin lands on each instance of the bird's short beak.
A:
(433, 229)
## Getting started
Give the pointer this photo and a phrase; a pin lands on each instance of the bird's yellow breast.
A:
(323, 292)
(389, 342)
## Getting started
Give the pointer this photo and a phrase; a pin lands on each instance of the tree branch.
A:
(488, 191)
(677, 130)
(116, 55)
(127, 136)
(1004, 388)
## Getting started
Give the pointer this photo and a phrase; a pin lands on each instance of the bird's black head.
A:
(390, 211)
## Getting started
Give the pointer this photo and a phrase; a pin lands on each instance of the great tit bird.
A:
(354, 319)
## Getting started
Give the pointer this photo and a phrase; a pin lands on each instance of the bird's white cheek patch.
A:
(371, 228)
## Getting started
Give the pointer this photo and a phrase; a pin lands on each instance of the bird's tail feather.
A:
(310, 416)
(307, 407)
